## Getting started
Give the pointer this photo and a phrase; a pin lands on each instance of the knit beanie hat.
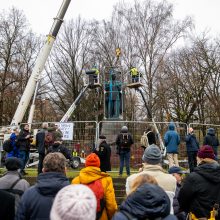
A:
(92, 160)
(74, 202)
(12, 163)
(206, 151)
(152, 155)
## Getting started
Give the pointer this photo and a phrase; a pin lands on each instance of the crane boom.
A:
(163, 149)
(73, 106)
(39, 65)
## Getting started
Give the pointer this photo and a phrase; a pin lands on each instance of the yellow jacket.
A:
(90, 174)
(134, 71)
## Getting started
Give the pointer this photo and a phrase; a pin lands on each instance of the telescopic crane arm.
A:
(72, 108)
(152, 118)
(39, 65)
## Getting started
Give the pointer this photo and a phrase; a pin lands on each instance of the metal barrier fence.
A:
(85, 135)
(112, 128)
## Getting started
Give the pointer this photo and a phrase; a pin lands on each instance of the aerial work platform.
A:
(134, 85)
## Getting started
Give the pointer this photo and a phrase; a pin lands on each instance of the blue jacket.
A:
(15, 151)
(148, 201)
(210, 139)
(171, 139)
(36, 202)
(191, 143)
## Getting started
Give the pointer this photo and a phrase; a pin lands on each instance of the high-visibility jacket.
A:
(134, 71)
(96, 70)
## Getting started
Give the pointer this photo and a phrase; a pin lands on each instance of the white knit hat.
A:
(74, 202)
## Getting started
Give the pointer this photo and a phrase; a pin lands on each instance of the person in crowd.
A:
(171, 141)
(7, 211)
(103, 151)
(124, 142)
(141, 179)
(13, 138)
(12, 175)
(40, 144)
(148, 138)
(36, 202)
(74, 202)
(24, 143)
(192, 147)
(200, 191)
(211, 140)
(101, 184)
(177, 172)
(148, 201)
(12, 181)
(58, 147)
(152, 158)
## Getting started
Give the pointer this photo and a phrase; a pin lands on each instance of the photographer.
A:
(24, 140)
(192, 147)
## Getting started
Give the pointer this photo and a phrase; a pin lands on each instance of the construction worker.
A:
(75, 153)
(95, 76)
(134, 74)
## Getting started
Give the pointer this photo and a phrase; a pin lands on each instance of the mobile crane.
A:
(39, 66)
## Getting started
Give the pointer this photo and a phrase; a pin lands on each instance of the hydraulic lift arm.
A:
(39, 65)
(74, 105)
(162, 147)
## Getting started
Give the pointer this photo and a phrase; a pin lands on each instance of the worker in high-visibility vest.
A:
(75, 153)
(96, 75)
(134, 74)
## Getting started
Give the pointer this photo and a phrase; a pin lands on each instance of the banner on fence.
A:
(67, 130)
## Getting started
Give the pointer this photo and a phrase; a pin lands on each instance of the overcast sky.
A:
(40, 13)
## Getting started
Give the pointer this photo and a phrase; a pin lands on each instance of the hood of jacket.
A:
(148, 201)
(171, 126)
(90, 174)
(209, 171)
(211, 131)
(50, 183)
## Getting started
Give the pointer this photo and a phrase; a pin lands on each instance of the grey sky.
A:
(40, 13)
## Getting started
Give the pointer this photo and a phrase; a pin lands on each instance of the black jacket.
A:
(210, 139)
(201, 190)
(23, 143)
(7, 207)
(192, 145)
(119, 141)
(40, 141)
(104, 154)
(148, 201)
(36, 202)
(60, 148)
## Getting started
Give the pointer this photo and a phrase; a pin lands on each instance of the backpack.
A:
(144, 140)
(15, 192)
(7, 145)
(124, 140)
(97, 188)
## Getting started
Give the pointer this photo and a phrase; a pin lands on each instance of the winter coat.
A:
(191, 143)
(151, 137)
(171, 139)
(201, 190)
(210, 139)
(147, 202)
(15, 151)
(40, 141)
(90, 174)
(60, 148)
(7, 206)
(23, 143)
(36, 202)
(9, 178)
(104, 154)
(166, 181)
(176, 207)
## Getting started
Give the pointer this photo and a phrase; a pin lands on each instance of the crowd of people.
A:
(151, 193)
